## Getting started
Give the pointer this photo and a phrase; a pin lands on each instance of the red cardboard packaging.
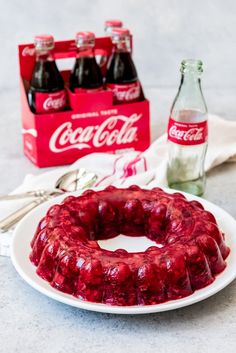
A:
(90, 124)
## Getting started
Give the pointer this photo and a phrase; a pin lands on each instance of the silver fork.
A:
(71, 181)
(23, 195)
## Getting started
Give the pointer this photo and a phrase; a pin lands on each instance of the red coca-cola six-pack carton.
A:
(90, 122)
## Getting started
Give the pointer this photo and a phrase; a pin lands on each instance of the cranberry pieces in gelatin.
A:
(190, 249)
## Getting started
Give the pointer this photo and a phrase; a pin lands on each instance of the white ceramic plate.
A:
(21, 249)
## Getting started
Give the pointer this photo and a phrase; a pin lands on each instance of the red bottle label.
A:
(187, 133)
(50, 102)
(88, 90)
(124, 93)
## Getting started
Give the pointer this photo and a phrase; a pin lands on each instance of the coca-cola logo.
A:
(27, 51)
(52, 103)
(184, 133)
(107, 134)
(127, 95)
(193, 134)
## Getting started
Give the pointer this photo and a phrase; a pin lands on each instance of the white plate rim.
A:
(27, 270)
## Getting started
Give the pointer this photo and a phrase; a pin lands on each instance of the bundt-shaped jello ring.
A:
(191, 250)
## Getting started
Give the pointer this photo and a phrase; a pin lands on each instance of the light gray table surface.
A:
(31, 322)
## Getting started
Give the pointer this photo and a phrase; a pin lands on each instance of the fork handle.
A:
(35, 193)
(14, 217)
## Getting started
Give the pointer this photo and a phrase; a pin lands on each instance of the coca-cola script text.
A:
(187, 133)
(116, 130)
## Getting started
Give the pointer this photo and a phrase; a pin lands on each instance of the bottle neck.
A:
(190, 77)
(190, 83)
(123, 46)
(189, 96)
(85, 52)
(43, 55)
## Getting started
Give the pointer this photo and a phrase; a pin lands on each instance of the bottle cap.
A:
(113, 23)
(85, 39)
(119, 34)
(44, 42)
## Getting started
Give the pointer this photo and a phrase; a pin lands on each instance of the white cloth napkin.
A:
(148, 167)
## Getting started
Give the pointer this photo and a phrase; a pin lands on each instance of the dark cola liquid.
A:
(46, 78)
(121, 69)
(86, 74)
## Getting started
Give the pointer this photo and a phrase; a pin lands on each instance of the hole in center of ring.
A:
(130, 244)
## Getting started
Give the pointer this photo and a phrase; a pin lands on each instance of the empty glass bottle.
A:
(187, 132)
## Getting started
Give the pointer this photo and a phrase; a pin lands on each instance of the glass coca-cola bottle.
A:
(86, 75)
(46, 92)
(110, 24)
(101, 54)
(121, 76)
(187, 132)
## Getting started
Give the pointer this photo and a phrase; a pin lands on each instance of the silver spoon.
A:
(64, 183)
(71, 181)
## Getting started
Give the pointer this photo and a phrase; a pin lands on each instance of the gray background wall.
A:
(165, 32)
